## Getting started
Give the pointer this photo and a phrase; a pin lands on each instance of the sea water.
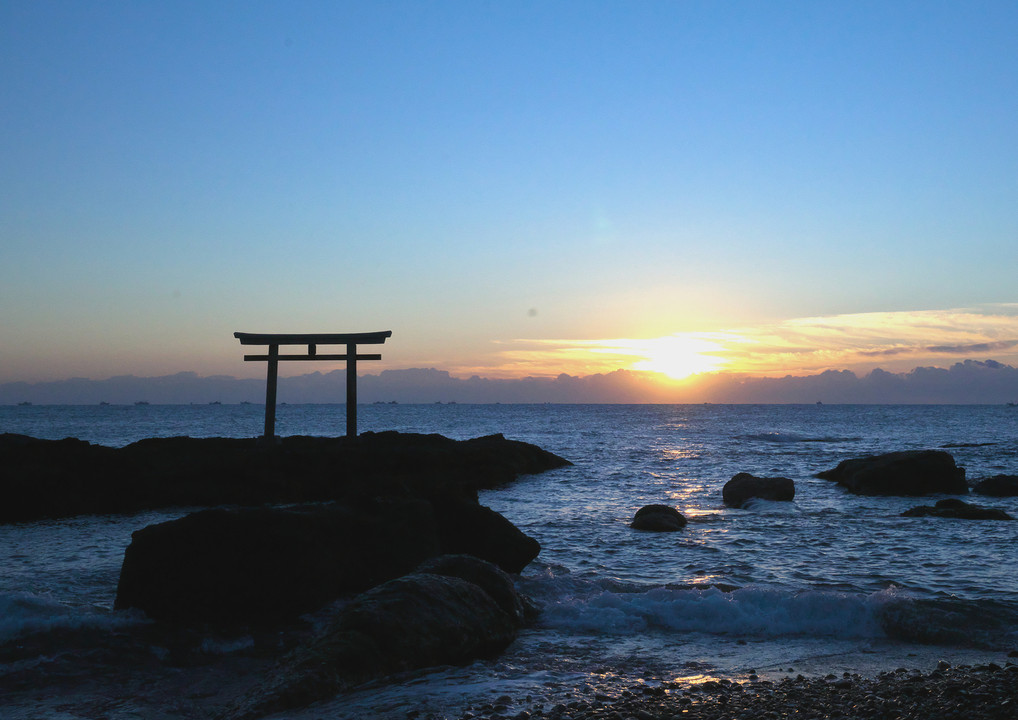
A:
(829, 581)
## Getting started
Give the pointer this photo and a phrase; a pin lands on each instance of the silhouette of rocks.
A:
(998, 486)
(464, 526)
(954, 508)
(908, 473)
(658, 518)
(60, 478)
(743, 487)
(416, 621)
(264, 565)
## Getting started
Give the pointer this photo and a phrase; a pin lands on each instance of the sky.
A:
(512, 188)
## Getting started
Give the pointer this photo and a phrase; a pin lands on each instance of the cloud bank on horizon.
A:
(967, 382)
(514, 189)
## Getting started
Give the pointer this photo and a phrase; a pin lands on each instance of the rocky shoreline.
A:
(62, 478)
(965, 692)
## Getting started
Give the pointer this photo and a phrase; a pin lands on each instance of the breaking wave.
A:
(765, 613)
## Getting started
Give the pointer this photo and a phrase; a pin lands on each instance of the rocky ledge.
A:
(61, 478)
(906, 473)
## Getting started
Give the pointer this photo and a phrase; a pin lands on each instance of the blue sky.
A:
(511, 188)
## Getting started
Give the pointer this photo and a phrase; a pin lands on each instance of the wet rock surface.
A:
(420, 620)
(744, 487)
(997, 486)
(959, 509)
(61, 478)
(658, 518)
(906, 473)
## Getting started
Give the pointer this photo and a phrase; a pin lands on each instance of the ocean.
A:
(831, 582)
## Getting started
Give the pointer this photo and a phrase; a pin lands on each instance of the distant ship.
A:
(215, 402)
(142, 402)
(103, 403)
(24, 403)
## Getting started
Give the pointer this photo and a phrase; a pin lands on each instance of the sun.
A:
(679, 357)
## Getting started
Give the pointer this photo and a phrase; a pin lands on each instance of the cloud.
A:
(799, 345)
(968, 382)
(974, 347)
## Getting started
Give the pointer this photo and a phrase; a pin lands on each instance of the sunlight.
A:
(679, 357)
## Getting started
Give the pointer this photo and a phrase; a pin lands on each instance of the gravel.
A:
(965, 692)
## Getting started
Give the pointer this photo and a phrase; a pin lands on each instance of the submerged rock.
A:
(658, 518)
(416, 621)
(997, 486)
(909, 473)
(743, 487)
(954, 508)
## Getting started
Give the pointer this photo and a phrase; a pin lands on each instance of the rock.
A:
(467, 527)
(262, 565)
(744, 486)
(658, 518)
(909, 473)
(265, 565)
(413, 622)
(485, 575)
(60, 478)
(954, 508)
(998, 486)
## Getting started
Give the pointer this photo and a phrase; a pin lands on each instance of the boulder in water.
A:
(909, 473)
(954, 508)
(266, 565)
(416, 621)
(658, 518)
(998, 486)
(743, 487)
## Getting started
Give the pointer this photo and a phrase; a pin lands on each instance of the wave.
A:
(23, 613)
(575, 605)
(791, 437)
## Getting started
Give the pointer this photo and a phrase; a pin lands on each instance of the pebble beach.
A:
(969, 692)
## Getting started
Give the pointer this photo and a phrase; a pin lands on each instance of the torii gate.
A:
(312, 340)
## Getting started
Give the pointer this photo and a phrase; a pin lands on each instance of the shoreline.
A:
(983, 692)
(946, 691)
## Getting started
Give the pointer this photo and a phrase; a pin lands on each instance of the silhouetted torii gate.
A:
(312, 340)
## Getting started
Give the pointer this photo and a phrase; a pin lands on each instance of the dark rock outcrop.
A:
(997, 486)
(909, 473)
(467, 527)
(263, 565)
(658, 518)
(416, 621)
(743, 487)
(60, 478)
(954, 508)
(490, 578)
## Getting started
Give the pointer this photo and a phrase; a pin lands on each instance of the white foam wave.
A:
(747, 612)
(23, 613)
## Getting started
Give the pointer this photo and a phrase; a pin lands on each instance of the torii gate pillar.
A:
(312, 340)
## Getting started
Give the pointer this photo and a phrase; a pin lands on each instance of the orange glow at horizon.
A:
(893, 341)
